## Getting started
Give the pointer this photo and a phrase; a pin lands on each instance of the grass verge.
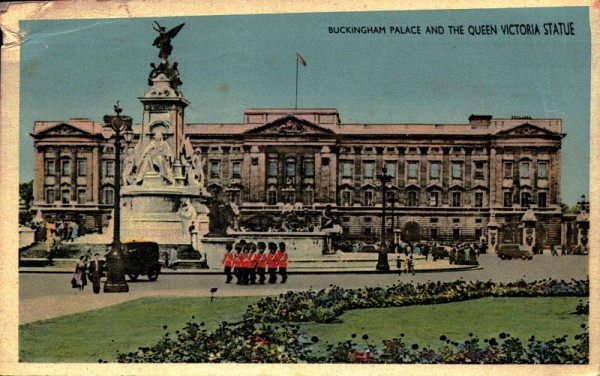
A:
(95, 335)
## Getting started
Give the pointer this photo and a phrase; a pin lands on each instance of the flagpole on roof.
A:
(299, 60)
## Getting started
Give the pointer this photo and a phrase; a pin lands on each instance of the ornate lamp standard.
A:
(117, 126)
(393, 202)
(383, 181)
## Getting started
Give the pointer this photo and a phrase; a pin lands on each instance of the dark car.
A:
(141, 258)
(509, 251)
(466, 256)
(441, 252)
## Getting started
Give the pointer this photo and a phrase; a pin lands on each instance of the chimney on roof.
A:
(480, 121)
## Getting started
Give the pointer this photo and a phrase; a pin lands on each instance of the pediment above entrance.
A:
(64, 129)
(527, 130)
(289, 126)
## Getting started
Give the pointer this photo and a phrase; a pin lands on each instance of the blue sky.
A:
(80, 68)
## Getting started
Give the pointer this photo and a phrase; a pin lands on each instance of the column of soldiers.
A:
(250, 263)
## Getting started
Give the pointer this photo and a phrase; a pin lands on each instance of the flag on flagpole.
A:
(301, 60)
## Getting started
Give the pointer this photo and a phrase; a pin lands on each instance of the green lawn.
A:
(88, 337)
(485, 318)
(94, 335)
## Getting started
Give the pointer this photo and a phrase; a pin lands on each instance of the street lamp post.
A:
(393, 201)
(383, 180)
(117, 126)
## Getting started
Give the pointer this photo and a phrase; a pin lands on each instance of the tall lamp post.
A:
(116, 127)
(383, 180)
(393, 202)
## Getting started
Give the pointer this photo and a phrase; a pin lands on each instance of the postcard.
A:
(374, 189)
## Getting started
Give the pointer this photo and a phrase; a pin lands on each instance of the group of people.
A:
(251, 262)
(86, 267)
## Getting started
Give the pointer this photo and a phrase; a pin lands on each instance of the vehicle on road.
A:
(509, 251)
(141, 257)
(441, 252)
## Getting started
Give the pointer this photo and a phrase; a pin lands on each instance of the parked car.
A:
(369, 248)
(441, 252)
(141, 258)
(508, 251)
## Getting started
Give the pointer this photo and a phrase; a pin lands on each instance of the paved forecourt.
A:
(49, 295)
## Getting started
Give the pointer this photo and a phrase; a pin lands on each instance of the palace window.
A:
(368, 198)
(109, 168)
(325, 162)
(309, 168)
(214, 169)
(81, 196)
(65, 167)
(81, 167)
(346, 198)
(434, 170)
(508, 170)
(507, 199)
(456, 199)
(50, 196)
(235, 169)
(346, 169)
(434, 199)
(254, 160)
(455, 234)
(412, 199)
(478, 199)
(542, 200)
(65, 196)
(368, 170)
(524, 173)
(456, 170)
(525, 198)
(390, 169)
(290, 169)
(272, 197)
(479, 170)
(433, 233)
(542, 170)
(412, 170)
(309, 197)
(50, 168)
(455, 220)
(272, 169)
(478, 233)
(109, 196)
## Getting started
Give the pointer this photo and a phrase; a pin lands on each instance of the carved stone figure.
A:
(128, 167)
(220, 218)
(163, 40)
(157, 157)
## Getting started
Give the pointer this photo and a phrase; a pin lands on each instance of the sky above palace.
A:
(80, 68)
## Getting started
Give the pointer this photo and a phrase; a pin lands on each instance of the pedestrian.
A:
(404, 260)
(173, 258)
(74, 231)
(166, 258)
(228, 262)
(563, 250)
(426, 251)
(554, 250)
(246, 264)
(79, 275)
(95, 272)
(399, 265)
(261, 265)
(272, 263)
(87, 256)
(283, 260)
(411, 265)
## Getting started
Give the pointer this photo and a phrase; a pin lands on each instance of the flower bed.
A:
(268, 332)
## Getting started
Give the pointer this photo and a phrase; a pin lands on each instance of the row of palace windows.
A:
(65, 168)
(434, 233)
(412, 169)
(525, 199)
(524, 169)
(290, 168)
(307, 197)
(108, 195)
(412, 198)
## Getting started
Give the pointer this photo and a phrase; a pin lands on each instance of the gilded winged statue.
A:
(163, 40)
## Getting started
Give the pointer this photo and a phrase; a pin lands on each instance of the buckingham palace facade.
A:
(445, 180)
